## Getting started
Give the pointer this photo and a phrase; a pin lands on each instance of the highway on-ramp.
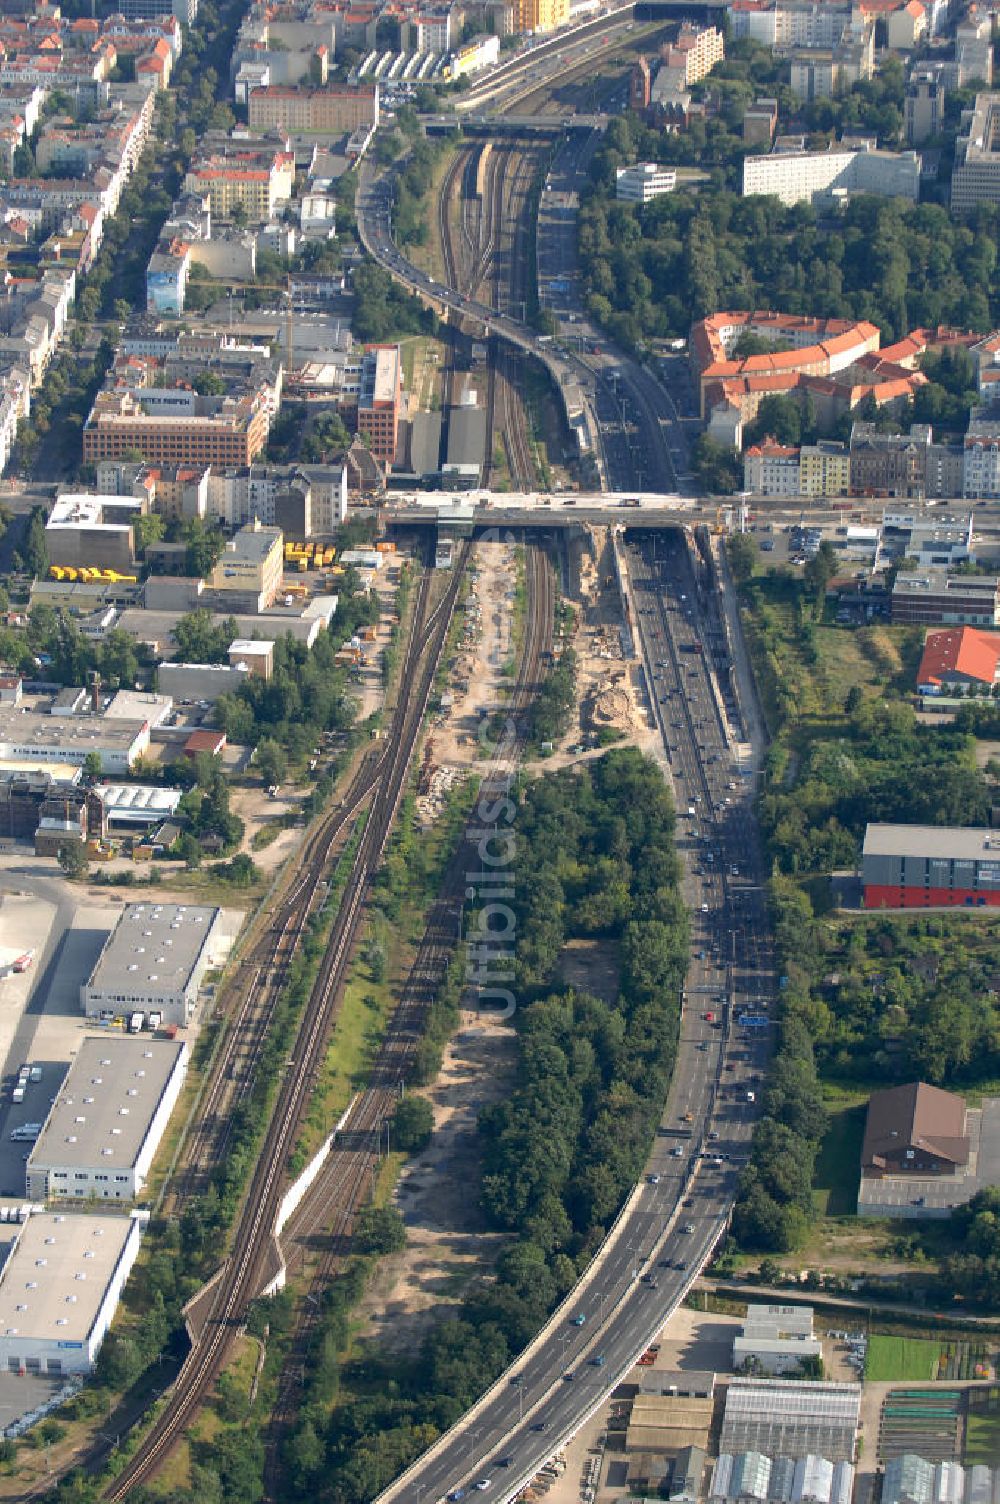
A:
(675, 1217)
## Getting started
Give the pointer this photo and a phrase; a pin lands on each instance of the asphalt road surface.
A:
(643, 437)
(684, 1203)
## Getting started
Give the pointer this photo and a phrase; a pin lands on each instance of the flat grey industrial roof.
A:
(158, 626)
(24, 728)
(53, 1284)
(252, 544)
(105, 1105)
(934, 581)
(152, 949)
(965, 843)
(466, 435)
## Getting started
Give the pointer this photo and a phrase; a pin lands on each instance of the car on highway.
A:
(484, 1484)
(579, 1319)
(598, 1361)
(653, 1179)
(688, 1227)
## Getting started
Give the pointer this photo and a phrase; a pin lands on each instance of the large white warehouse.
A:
(60, 1287)
(153, 960)
(103, 1128)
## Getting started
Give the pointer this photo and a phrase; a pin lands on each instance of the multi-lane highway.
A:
(642, 434)
(675, 1217)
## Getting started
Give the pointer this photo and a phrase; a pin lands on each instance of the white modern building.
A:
(643, 182)
(31, 739)
(103, 1129)
(153, 960)
(776, 1339)
(60, 1287)
(803, 177)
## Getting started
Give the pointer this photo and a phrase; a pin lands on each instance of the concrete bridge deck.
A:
(474, 510)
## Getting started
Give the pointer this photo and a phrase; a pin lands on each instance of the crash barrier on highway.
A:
(293, 1196)
(397, 1489)
(613, 1379)
(729, 733)
(567, 372)
(747, 697)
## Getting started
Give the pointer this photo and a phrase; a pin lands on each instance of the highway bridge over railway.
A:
(471, 511)
(521, 127)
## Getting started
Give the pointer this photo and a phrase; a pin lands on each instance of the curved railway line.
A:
(241, 1277)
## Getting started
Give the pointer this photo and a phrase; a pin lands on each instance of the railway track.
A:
(492, 243)
(262, 978)
(510, 294)
(331, 1205)
(240, 1281)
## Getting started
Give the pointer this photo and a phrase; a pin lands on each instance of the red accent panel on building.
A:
(878, 897)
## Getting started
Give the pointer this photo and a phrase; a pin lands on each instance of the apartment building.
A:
(15, 404)
(907, 26)
(380, 400)
(805, 177)
(799, 23)
(330, 111)
(695, 52)
(268, 491)
(429, 31)
(974, 47)
(824, 469)
(540, 15)
(639, 86)
(258, 180)
(981, 458)
(820, 74)
(167, 276)
(976, 176)
(924, 105)
(889, 464)
(771, 469)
